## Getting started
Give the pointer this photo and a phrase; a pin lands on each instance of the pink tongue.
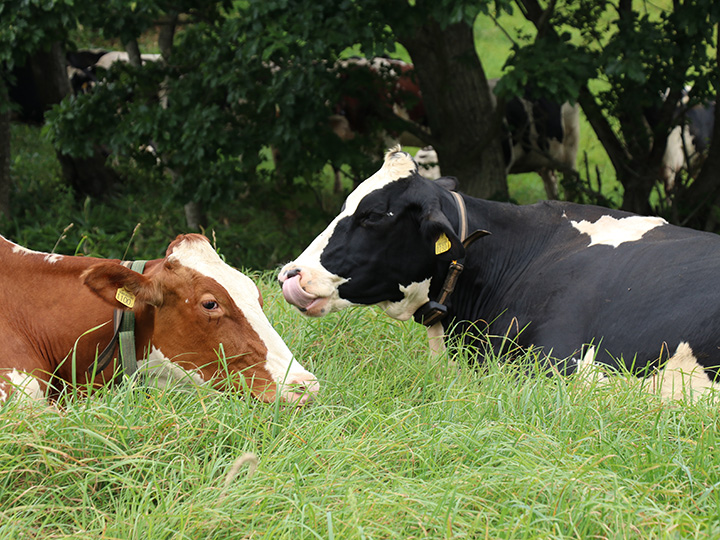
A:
(295, 294)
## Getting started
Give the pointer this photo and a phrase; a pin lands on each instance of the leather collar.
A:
(434, 311)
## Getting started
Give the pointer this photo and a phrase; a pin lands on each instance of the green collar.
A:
(124, 336)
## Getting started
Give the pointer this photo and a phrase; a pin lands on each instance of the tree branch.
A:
(616, 151)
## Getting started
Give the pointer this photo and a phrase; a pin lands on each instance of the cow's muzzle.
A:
(296, 294)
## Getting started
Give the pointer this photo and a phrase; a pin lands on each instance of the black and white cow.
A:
(582, 284)
(688, 143)
(541, 136)
(85, 66)
(544, 136)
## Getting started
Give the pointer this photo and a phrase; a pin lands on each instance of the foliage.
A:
(258, 229)
(559, 80)
(397, 445)
(645, 56)
(28, 25)
(238, 80)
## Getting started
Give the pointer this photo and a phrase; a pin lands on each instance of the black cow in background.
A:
(544, 137)
(688, 143)
(85, 66)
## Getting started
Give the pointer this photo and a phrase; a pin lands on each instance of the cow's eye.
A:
(210, 305)
(374, 217)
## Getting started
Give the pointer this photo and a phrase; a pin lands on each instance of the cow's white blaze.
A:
(317, 280)
(397, 165)
(415, 295)
(161, 370)
(683, 377)
(280, 362)
(610, 231)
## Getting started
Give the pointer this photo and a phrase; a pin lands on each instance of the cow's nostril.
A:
(305, 389)
(299, 388)
(284, 276)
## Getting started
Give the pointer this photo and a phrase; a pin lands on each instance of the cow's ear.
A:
(121, 287)
(448, 182)
(438, 232)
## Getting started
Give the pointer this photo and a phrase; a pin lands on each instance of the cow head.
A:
(383, 248)
(208, 322)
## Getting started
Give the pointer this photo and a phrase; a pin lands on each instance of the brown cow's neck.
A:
(50, 294)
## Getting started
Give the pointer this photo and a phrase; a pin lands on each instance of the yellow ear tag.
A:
(442, 245)
(125, 297)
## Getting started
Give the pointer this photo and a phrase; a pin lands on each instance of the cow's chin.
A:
(316, 308)
(324, 305)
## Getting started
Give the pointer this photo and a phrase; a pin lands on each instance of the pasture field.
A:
(398, 445)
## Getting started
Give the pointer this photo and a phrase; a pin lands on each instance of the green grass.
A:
(397, 445)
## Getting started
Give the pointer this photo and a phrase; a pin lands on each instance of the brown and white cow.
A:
(197, 320)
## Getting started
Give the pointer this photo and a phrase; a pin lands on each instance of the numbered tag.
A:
(125, 297)
(442, 245)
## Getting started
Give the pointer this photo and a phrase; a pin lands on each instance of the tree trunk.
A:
(460, 108)
(636, 188)
(133, 50)
(166, 35)
(87, 176)
(195, 216)
(5, 184)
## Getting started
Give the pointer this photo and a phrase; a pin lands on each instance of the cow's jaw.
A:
(314, 291)
(161, 370)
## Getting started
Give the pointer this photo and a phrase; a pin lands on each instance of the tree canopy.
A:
(240, 80)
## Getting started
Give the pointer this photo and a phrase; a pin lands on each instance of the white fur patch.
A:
(201, 257)
(161, 370)
(612, 232)
(436, 339)
(48, 257)
(683, 377)
(415, 295)
(26, 386)
(588, 371)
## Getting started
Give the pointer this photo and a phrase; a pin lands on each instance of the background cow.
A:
(197, 320)
(688, 143)
(568, 280)
(542, 136)
(84, 66)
